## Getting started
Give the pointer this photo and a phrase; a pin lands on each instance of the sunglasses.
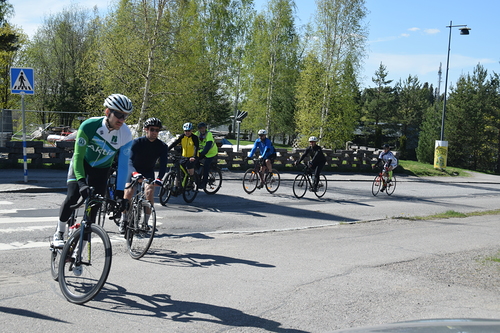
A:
(119, 115)
(153, 129)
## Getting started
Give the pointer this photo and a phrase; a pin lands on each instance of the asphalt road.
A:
(255, 263)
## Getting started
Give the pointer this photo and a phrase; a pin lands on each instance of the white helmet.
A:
(262, 132)
(118, 102)
(187, 126)
(313, 138)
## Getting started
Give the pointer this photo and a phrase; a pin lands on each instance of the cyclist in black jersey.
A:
(145, 152)
(317, 161)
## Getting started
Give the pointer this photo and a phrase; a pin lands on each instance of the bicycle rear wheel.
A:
(166, 189)
(250, 181)
(376, 185)
(322, 186)
(191, 189)
(140, 233)
(300, 186)
(55, 254)
(81, 280)
(214, 181)
(272, 181)
(391, 186)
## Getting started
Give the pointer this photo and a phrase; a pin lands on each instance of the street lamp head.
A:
(464, 31)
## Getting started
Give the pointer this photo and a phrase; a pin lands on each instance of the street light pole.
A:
(463, 31)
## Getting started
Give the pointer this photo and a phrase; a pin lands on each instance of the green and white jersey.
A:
(97, 145)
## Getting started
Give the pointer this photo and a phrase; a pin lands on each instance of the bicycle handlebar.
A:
(91, 197)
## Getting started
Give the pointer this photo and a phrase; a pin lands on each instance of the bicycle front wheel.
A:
(391, 186)
(250, 181)
(166, 189)
(82, 278)
(300, 186)
(376, 185)
(214, 181)
(272, 181)
(191, 190)
(322, 186)
(141, 229)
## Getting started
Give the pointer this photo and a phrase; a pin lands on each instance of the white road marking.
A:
(5, 220)
(6, 202)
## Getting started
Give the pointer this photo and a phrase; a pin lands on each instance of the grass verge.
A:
(449, 215)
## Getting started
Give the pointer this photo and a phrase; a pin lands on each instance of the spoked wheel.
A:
(300, 186)
(322, 186)
(391, 186)
(377, 185)
(250, 181)
(214, 181)
(141, 229)
(166, 189)
(55, 254)
(191, 189)
(81, 280)
(272, 181)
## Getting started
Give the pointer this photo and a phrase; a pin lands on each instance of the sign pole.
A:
(25, 155)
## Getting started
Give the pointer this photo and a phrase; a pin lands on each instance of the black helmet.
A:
(152, 122)
(386, 146)
(202, 124)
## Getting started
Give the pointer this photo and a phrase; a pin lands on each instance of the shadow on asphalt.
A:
(119, 300)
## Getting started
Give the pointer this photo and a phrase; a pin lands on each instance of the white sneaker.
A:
(121, 227)
(58, 240)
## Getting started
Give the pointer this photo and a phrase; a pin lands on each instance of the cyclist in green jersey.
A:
(98, 140)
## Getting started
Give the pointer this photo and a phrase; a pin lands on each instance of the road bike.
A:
(109, 208)
(306, 180)
(214, 181)
(252, 180)
(141, 226)
(178, 181)
(381, 183)
(85, 259)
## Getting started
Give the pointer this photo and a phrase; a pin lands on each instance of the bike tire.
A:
(322, 186)
(166, 189)
(273, 180)
(299, 186)
(55, 254)
(102, 213)
(191, 190)
(139, 234)
(82, 287)
(376, 185)
(391, 186)
(214, 181)
(250, 181)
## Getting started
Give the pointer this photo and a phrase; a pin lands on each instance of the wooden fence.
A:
(356, 158)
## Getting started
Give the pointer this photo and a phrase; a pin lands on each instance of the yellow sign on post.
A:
(440, 154)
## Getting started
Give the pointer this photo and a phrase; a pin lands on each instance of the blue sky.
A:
(407, 36)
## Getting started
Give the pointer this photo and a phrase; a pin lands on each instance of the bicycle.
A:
(139, 232)
(214, 181)
(178, 181)
(306, 179)
(381, 182)
(109, 207)
(252, 181)
(85, 260)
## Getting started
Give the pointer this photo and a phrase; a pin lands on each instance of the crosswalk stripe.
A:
(6, 220)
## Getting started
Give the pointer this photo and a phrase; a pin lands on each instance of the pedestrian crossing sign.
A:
(22, 81)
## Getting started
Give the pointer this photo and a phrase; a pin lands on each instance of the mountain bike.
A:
(140, 228)
(252, 181)
(306, 179)
(381, 183)
(178, 181)
(214, 181)
(85, 260)
(109, 208)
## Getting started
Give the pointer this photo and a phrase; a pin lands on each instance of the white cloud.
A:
(414, 29)
(432, 31)
(405, 35)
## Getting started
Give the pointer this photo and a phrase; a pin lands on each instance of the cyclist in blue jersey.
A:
(145, 152)
(98, 140)
(267, 154)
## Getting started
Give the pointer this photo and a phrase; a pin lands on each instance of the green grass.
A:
(450, 214)
(419, 169)
(495, 258)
